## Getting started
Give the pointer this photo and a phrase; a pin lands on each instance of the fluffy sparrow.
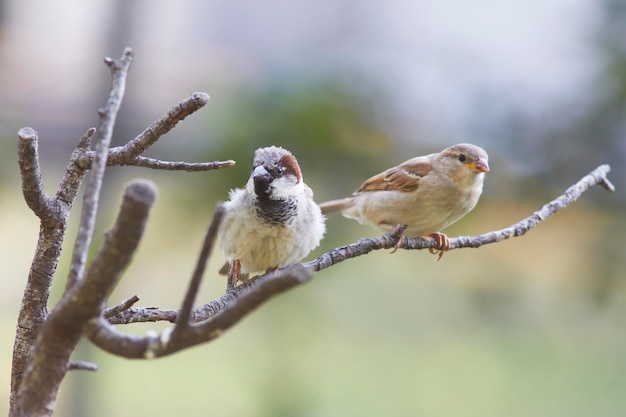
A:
(273, 221)
(427, 193)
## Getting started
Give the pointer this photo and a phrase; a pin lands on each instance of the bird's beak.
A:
(479, 166)
(262, 180)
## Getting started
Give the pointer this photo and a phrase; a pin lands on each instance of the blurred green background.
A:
(532, 326)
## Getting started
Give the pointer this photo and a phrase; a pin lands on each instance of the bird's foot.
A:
(399, 243)
(443, 244)
(396, 230)
(234, 271)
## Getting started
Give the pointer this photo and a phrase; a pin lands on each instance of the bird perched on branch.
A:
(273, 221)
(427, 193)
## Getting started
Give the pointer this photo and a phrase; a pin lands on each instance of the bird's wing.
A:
(405, 177)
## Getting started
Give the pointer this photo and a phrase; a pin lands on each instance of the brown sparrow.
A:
(273, 221)
(427, 193)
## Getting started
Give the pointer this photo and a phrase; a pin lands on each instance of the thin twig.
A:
(82, 366)
(130, 154)
(123, 306)
(119, 70)
(196, 279)
(74, 172)
(145, 315)
(143, 161)
(160, 127)
(360, 247)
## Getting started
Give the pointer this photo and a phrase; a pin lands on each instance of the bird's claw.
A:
(443, 244)
(399, 243)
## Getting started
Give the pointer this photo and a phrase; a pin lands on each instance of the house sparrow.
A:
(273, 221)
(427, 193)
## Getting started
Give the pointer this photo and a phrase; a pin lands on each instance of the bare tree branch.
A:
(28, 160)
(63, 328)
(121, 307)
(366, 245)
(52, 215)
(597, 177)
(142, 161)
(82, 366)
(105, 334)
(196, 279)
(130, 154)
(74, 173)
(121, 313)
(119, 70)
(152, 133)
(238, 303)
(363, 247)
(145, 315)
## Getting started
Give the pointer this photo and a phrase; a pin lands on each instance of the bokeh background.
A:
(532, 326)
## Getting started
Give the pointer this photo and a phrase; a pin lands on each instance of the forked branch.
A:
(43, 341)
(222, 313)
(131, 153)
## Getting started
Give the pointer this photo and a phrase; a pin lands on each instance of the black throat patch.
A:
(276, 212)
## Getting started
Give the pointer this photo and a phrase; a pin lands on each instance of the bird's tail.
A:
(336, 205)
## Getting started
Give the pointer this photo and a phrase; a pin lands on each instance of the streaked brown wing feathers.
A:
(404, 177)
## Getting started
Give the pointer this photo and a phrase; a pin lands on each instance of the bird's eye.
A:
(280, 170)
(462, 158)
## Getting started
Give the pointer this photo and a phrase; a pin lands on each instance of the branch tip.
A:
(27, 133)
(85, 140)
(608, 185)
(118, 64)
(201, 97)
(194, 284)
(30, 172)
(82, 366)
(143, 191)
(123, 306)
(603, 171)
